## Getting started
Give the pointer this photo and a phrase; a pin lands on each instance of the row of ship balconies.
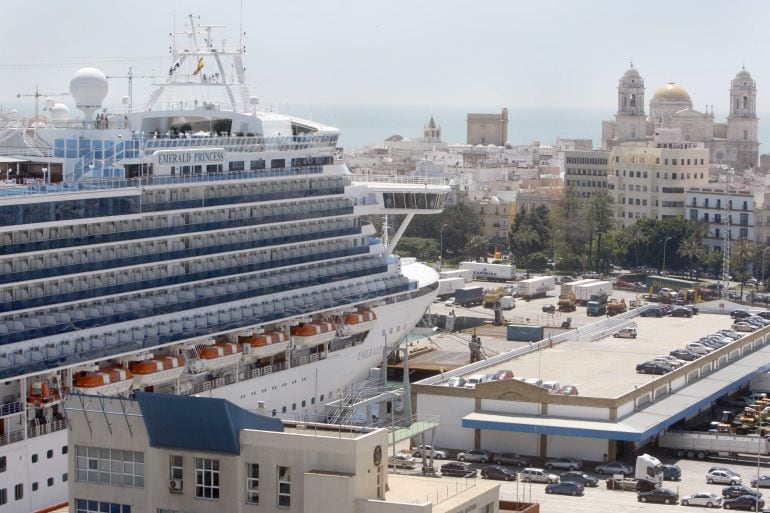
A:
(21, 296)
(80, 260)
(180, 324)
(178, 223)
(93, 311)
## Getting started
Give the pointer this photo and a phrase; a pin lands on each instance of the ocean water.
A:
(363, 125)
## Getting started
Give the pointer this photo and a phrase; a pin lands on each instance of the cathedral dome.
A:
(671, 91)
(743, 75)
(631, 73)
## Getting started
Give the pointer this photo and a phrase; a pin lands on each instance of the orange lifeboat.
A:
(358, 322)
(156, 370)
(41, 393)
(265, 344)
(106, 381)
(313, 333)
(216, 356)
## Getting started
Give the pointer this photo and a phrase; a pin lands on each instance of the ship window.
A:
(304, 403)
(34, 458)
(312, 400)
(3, 464)
(3, 496)
(236, 165)
(293, 406)
(49, 454)
(198, 169)
(49, 481)
(283, 410)
(213, 168)
(65, 449)
(277, 163)
(257, 164)
(34, 486)
(65, 477)
(18, 492)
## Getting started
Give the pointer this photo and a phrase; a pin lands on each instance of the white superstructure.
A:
(130, 243)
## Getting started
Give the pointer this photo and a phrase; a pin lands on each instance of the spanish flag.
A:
(199, 67)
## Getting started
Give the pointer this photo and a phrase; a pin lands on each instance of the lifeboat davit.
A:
(106, 381)
(358, 322)
(156, 370)
(265, 344)
(216, 356)
(311, 334)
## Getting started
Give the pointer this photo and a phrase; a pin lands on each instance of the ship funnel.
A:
(88, 87)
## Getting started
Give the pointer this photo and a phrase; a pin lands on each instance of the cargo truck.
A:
(584, 292)
(465, 274)
(469, 296)
(569, 288)
(447, 286)
(490, 272)
(648, 474)
(700, 445)
(536, 287)
(524, 333)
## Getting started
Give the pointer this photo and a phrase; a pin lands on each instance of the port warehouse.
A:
(512, 416)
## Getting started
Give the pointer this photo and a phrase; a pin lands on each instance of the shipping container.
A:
(490, 272)
(569, 288)
(469, 296)
(524, 333)
(584, 292)
(465, 274)
(536, 287)
(447, 286)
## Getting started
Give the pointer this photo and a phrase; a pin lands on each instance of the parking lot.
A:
(602, 500)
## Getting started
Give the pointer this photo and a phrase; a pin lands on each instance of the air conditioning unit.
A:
(175, 486)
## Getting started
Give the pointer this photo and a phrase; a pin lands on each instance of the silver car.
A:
(474, 455)
(615, 467)
(723, 477)
(537, 475)
(565, 463)
(707, 499)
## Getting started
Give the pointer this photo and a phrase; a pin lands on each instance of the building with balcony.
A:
(585, 172)
(731, 210)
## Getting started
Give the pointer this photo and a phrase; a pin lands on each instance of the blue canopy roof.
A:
(198, 423)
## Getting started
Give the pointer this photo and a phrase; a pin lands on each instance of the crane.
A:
(131, 76)
(37, 94)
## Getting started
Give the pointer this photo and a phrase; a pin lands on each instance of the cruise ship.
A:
(200, 245)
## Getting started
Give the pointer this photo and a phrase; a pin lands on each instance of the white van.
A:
(551, 386)
(474, 380)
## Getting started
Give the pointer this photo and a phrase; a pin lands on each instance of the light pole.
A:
(554, 249)
(441, 247)
(764, 252)
(664, 254)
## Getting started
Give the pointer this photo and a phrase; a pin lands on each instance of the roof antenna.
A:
(632, 63)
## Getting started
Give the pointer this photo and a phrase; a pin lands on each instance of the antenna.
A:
(36, 95)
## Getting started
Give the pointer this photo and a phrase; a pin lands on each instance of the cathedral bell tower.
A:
(631, 119)
(743, 144)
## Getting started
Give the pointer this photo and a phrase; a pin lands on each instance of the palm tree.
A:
(692, 249)
(600, 218)
(742, 254)
(477, 247)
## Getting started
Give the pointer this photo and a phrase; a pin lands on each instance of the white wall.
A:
(592, 449)
(520, 407)
(625, 409)
(580, 412)
(526, 444)
(451, 434)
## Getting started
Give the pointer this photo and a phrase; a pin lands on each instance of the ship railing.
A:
(33, 431)
(11, 408)
(26, 152)
(12, 437)
(390, 179)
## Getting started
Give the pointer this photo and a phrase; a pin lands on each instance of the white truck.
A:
(648, 474)
(507, 303)
(447, 286)
(700, 445)
(465, 274)
(569, 288)
(490, 272)
(584, 292)
(536, 287)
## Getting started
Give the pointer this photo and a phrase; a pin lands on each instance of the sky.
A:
(431, 53)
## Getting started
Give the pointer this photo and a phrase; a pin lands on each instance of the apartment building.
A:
(728, 213)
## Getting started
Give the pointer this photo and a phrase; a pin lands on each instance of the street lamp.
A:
(664, 254)
(554, 249)
(441, 247)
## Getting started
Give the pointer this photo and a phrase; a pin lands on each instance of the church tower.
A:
(742, 137)
(431, 131)
(631, 120)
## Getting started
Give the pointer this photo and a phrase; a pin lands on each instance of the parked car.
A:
(438, 454)
(747, 502)
(401, 460)
(764, 314)
(681, 311)
(510, 458)
(502, 374)
(724, 469)
(672, 472)
(566, 488)
(566, 463)
(740, 402)
(684, 354)
(615, 467)
(579, 477)
(658, 368)
(764, 481)
(674, 362)
(549, 308)
(744, 326)
(730, 334)
(474, 455)
(698, 348)
(497, 472)
(450, 302)
(567, 390)
(534, 381)
(457, 381)
(756, 321)
(663, 495)
(739, 314)
(722, 477)
(731, 492)
(707, 499)
(537, 475)
(655, 311)
(457, 469)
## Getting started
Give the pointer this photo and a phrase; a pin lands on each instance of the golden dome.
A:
(672, 91)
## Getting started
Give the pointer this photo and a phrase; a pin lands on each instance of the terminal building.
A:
(618, 411)
(171, 454)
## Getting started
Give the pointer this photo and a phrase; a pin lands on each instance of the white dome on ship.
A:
(88, 87)
(59, 112)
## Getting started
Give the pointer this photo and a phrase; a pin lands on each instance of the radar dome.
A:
(59, 112)
(88, 87)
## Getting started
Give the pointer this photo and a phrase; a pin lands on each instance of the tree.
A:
(522, 241)
(478, 247)
(537, 262)
(422, 249)
(461, 223)
(743, 252)
(600, 219)
(692, 249)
